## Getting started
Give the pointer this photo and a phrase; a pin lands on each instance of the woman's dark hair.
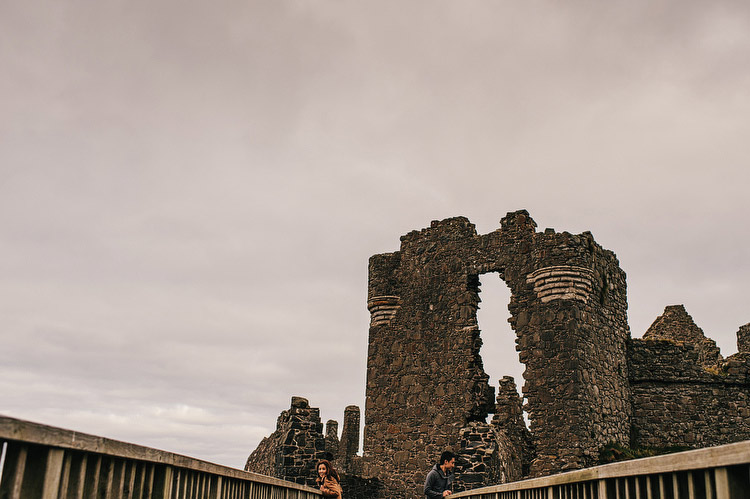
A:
(446, 456)
(329, 469)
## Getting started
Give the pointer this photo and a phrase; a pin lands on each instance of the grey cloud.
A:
(189, 193)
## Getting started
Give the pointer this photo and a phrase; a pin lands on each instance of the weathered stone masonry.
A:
(294, 448)
(683, 392)
(425, 378)
(587, 383)
(290, 452)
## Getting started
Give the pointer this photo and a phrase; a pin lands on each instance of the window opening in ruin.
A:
(499, 355)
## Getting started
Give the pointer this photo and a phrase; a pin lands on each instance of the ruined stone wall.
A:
(349, 444)
(425, 379)
(743, 339)
(679, 399)
(478, 458)
(332, 440)
(677, 325)
(515, 446)
(586, 383)
(568, 309)
(424, 376)
(292, 451)
(498, 452)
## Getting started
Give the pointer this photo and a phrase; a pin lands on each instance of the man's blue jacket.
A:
(437, 482)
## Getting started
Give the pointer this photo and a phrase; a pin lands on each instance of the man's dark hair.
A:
(446, 456)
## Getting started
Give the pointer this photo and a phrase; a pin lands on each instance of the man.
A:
(440, 478)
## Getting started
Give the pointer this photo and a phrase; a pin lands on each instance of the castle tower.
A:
(425, 377)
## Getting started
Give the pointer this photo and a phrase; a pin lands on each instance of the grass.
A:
(613, 452)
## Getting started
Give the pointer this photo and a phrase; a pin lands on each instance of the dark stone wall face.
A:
(478, 460)
(677, 325)
(424, 373)
(515, 446)
(743, 339)
(498, 452)
(568, 308)
(679, 401)
(291, 452)
(425, 379)
(332, 439)
(349, 445)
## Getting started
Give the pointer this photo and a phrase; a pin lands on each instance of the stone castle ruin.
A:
(586, 384)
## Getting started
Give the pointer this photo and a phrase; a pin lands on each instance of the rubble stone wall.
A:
(678, 402)
(743, 339)
(478, 457)
(349, 445)
(332, 439)
(677, 325)
(515, 447)
(293, 449)
(425, 378)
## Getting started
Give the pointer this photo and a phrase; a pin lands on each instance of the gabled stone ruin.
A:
(587, 383)
(676, 324)
(683, 392)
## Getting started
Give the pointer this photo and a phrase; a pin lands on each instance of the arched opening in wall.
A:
(499, 355)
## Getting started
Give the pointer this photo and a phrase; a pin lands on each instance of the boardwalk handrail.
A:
(721, 472)
(42, 461)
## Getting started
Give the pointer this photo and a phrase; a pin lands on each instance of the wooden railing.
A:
(41, 461)
(721, 472)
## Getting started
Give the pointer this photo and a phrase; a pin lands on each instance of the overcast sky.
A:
(190, 191)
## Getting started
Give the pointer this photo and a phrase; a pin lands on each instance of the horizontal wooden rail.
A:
(721, 472)
(41, 461)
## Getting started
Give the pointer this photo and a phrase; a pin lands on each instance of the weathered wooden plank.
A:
(139, 481)
(722, 484)
(162, 482)
(215, 492)
(79, 462)
(709, 489)
(149, 485)
(93, 472)
(65, 479)
(52, 473)
(14, 470)
(118, 479)
(602, 489)
(106, 484)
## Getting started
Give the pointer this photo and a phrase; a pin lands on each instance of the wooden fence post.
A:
(52, 473)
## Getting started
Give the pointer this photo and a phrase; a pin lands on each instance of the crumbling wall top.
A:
(518, 222)
(743, 339)
(450, 229)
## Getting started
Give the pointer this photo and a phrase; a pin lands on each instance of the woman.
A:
(328, 480)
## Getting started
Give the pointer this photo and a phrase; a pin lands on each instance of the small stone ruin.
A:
(292, 451)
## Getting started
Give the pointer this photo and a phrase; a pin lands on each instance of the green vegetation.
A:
(613, 452)
(718, 371)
